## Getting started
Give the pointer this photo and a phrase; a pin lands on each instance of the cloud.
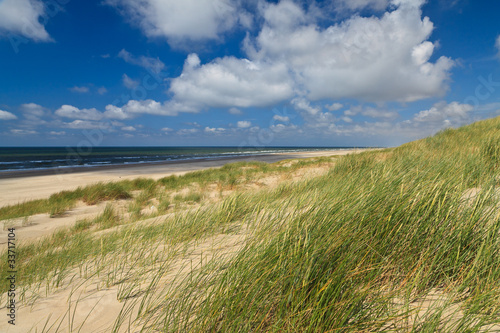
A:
(353, 110)
(129, 129)
(4, 115)
(69, 111)
(292, 58)
(283, 119)
(81, 90)
(215, 130)
(187, 131)
(166, 129)
(102, 90)
(235, 111)
(497, 44)
(350, 59)
(57, 133)
(21, 17)
(376, 113)
(23, 132)
(148, 107)
(244, 124)
(301, 104)
(154, 65)
(453, 114)
(231, 82)
(335, 107)
(134, 108)
(85, 124)
(179, 20)
(354, 5)
(33, 110)
(115, 112)
(33, 114)
(280, 128)
(194, 124)
(129, 83)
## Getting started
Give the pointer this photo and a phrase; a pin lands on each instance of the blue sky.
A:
(244, 72)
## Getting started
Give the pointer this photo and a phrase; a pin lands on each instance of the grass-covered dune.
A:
(403, 239)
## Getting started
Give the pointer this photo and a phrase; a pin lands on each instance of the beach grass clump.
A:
(107, 219)
(23, 209)
(164, 205)
(57, 204)
(192, 196)
(99, 192)
(81, 225)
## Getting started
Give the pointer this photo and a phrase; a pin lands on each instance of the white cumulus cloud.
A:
(69, 111)
(21, 17)
(134, 108)
(85, 124)
(215, 130)
(373, 59)
(301, 104)
(351, 59)
(231, 82)
(187, 19)
(33, 109)
(4, 115)
(453, 113)
(283, 119)
(335, 106)
(244, 124)
(33, 114)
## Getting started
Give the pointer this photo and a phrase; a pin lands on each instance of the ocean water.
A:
(40, 158)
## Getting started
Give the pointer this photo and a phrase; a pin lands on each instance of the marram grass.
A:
(380, 227)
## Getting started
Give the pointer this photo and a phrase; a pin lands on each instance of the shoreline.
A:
(83, 169)
(25, 186)
(21, 173)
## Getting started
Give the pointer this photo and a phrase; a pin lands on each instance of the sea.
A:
(43, 158)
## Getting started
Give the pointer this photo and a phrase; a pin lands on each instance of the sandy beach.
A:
(31, 185)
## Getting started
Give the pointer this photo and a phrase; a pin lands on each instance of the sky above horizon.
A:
(244, 73)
